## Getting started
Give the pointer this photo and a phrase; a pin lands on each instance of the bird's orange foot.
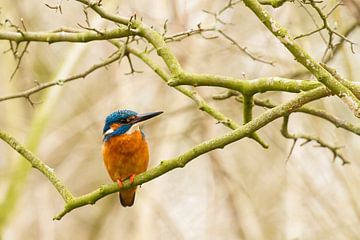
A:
(119, 182)
(132, 177)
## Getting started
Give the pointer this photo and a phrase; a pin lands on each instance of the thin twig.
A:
(337, 122)
(41, 86)
(19, 60)
(308, 138)
(244, 49)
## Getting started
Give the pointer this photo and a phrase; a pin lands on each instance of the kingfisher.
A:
(125, 149)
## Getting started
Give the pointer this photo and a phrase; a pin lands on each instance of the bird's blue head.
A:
(121, 121)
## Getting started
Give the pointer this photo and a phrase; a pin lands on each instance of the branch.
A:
(215, 143)
(274, 3)
(308, 138)
(202, 104)
(350, 29)
(39, 165)
(19, 58)
(302, 5)
(199, 30)
(308, 91)
(246, 86)
(96, 6)
(325, 25)
(167, 165)
(244, 49)
(304, 58)
(353, 88)
(217, 19)
(41, 86)
(182, 35)
(337, 122)
(247, 114)
(141, 29)
(230, 4)
(65, 36)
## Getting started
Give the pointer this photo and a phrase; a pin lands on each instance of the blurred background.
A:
(240, 192)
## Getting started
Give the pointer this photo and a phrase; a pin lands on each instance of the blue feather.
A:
(116, 117)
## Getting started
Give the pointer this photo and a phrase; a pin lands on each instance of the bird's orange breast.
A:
(125, 155)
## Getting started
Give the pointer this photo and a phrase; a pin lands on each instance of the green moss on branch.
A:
(245, 86)
(304, 58)
(207, 146)
(39, 165)
(274, 3)
(63, 36)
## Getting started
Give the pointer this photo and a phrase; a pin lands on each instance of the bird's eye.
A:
(129, 119)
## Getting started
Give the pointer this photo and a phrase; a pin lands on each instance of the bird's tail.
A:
(127, 197)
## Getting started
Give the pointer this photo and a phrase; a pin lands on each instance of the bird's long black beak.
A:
(145, 116)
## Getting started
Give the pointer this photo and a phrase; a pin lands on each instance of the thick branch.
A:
(63, 36)
(202, 104)
(36, 163)
(245, 86)
(328, 57)
(312, 91)
(337, 122)
(247, 114)
(304, 58)
(181, 160)
(152, 36)
(274, 3)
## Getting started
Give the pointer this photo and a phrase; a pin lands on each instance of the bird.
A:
(125, 149)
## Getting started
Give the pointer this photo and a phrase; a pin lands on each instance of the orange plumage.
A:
(125, 155)
(125, 150)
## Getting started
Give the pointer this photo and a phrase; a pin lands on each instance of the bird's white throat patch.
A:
(133, 128)
(110, 130)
